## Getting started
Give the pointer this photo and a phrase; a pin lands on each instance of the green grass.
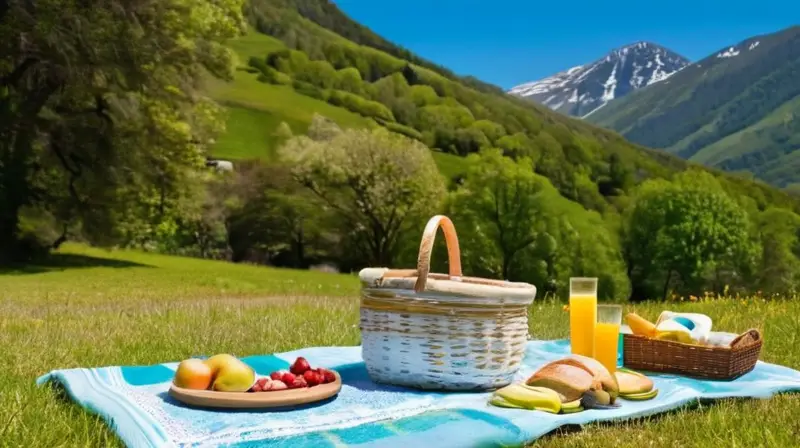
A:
(90, 307)
(254, 44)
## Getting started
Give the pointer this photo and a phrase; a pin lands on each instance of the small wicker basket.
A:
(697, 361)
(445, 332)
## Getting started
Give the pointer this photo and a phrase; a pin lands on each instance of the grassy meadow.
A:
(91, 307)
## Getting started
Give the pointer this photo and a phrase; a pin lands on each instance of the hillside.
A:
(255, 109)
(735, 110)
(584, 89)
(303, 69)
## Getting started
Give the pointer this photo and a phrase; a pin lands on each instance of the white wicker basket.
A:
(437, 331)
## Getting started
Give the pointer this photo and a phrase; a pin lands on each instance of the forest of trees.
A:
(104, 136)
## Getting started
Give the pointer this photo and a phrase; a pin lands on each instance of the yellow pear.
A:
(217, 361)
(234, 376)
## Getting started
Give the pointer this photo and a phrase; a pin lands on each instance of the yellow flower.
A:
(692, 298)
(565, 308)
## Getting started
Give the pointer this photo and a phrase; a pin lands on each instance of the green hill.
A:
(735, 110)
(302, 69)
(255, 109)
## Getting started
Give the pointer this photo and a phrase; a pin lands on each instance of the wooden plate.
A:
(252, 400)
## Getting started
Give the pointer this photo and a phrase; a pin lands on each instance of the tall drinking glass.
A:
(606, 335)
(582, 315)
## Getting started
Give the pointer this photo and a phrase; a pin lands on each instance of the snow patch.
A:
(753, 45)
(574, 97)
(658, 74)
(611, 85)
(729, 53)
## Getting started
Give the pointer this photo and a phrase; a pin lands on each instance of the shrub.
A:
(405, 130)
(272, 76)
(355, 103)
(319, 73)
(309, 90)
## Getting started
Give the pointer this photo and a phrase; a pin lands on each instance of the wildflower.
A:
(693, 298)
(565, 308)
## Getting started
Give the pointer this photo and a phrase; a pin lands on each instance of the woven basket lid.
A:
(421, 281)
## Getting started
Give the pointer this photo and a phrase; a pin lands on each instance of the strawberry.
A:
(328, 375)
(278, 374)
(278, 385)
(312, 378)
(288, 378)
(300, 366)
(256, 388)
(262, 382)
(299, 382)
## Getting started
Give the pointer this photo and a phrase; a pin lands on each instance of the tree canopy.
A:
(375, 181)
(99, 97)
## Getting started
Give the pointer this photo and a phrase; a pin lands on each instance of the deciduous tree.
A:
(376, 182)
(98, 108)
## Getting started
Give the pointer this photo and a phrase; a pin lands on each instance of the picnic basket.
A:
(697, 361)
(439, 331)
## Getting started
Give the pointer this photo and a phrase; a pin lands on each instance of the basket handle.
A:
(747, 338)
(426, 247)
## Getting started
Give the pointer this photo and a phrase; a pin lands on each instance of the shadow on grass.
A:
(63, 262)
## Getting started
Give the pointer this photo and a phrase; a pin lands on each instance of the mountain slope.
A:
(736, 109)
(314, 69)
(581, 90)
(256, 109)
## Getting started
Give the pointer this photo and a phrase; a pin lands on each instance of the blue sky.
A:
(507, 42)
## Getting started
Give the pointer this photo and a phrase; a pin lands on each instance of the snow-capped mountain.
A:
(583, 89)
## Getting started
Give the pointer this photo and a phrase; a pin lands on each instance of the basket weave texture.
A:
(444, 332)
(705, 362)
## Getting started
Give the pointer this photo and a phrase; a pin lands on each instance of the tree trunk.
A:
(666, 284)
(300, 248)
(9, 245)
(60, 240)
(506, 265)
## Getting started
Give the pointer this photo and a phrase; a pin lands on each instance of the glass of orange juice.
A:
(582, 315)
(606, 335)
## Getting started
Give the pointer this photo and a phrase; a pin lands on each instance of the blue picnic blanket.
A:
(135, 402)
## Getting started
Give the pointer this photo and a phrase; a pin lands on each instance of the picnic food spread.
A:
(445, 332)
(227, 382)
(464, 320)
(299, 375)
(689, 328)
(223, 372)
(572, 384)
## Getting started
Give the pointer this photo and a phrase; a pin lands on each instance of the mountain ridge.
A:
(581, 90)
(720, 109)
